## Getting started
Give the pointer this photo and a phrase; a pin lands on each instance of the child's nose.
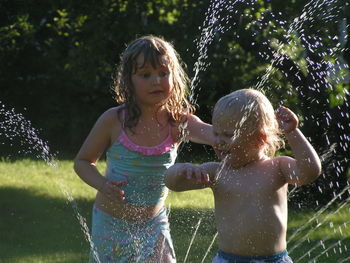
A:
(156, 79)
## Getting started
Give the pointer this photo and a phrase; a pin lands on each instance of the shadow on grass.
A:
(38, 226)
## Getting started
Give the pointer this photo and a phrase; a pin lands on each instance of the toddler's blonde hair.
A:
(250, 112)
(152, 48)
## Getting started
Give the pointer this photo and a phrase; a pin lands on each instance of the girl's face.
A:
(152, 86)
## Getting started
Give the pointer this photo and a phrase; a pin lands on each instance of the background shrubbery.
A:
(57, 59)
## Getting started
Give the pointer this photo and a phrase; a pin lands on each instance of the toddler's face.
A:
(231, 142)
(226, 135)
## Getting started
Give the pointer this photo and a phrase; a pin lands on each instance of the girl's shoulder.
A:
(112, 114)
(112, 120)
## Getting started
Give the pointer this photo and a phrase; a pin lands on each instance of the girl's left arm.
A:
(199, 131)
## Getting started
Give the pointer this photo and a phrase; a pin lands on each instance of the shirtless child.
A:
(250, 185)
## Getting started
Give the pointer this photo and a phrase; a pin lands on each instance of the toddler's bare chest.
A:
(244, 185)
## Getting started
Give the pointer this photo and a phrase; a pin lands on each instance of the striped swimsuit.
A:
(117, 240)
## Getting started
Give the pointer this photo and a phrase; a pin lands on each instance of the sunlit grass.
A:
(38, 222)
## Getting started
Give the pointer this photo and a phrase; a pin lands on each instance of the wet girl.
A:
(141, 138)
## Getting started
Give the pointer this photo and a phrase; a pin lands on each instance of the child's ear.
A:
(261, 138)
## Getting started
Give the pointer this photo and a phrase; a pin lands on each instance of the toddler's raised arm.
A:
(305, 167)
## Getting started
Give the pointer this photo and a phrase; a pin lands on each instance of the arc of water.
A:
(210, 27)
(81, 220)
(210, 245)
(332, 246)
(317, 214)
(192, 239)
(296, 26)
(321, 243)
(308, 252)
(15, 124)
(345, 260)
(169, 209)
(304, 238)
(292, 191)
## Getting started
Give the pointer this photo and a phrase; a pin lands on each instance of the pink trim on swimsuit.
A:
(161, 148)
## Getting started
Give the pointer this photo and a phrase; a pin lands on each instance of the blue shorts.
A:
(222, 257)
(117, 240)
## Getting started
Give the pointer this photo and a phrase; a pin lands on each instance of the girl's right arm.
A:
(93, 147)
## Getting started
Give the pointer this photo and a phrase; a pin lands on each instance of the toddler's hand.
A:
(111, 189)
(193, 172)
(287, 119)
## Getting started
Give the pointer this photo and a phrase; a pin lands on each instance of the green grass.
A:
(38, 220)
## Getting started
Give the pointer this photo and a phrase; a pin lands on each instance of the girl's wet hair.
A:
(250, 112)
(152, 48)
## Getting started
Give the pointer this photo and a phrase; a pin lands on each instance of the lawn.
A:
(45, 213)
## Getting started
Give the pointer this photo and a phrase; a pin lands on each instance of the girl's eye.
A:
(146, 75)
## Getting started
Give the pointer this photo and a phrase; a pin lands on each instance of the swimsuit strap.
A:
(123, 112)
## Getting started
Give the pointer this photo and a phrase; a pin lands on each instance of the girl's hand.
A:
(287, 119)
(110, 188)
(193, 172)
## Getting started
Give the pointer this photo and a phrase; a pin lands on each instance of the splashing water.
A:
(214, 25)
(14, 127)
(80, 218)
(209, 247)
(326, 69)
(220, 18)
(192, 239)
(314, 218)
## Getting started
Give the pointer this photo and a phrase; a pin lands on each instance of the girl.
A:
(142, 135)
(250, 185)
